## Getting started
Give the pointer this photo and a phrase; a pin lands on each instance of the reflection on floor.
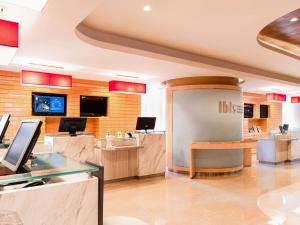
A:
(122, 220)
(259, 195)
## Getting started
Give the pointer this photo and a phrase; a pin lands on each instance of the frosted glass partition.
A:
(207, 115)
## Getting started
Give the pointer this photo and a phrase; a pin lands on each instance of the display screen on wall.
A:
(46, 104)
(248, 110)
(93, 106)
(264, 111)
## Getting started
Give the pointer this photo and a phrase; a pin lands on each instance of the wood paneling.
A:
(202, 80)
(119, 164)
(123, 109)
(271, 123)
(283, 35)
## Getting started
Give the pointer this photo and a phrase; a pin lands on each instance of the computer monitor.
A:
(4, 122)
(22, 145)
(145, 123)
(285, 127)
(72, 125)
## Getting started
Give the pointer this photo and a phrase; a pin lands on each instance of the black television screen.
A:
(93, 106)
(264, 111)
(46, 104)
(248, 110)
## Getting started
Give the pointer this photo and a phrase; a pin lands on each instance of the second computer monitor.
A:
(4, 122)
(72, 125)
(145, 123)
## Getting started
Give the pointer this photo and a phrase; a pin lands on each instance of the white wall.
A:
(291, 114)
(154, 105)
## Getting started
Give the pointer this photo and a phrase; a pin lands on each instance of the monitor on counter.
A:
(4, 122)
(285, 127)
(72, 125)
(22, 145)
(145, 123)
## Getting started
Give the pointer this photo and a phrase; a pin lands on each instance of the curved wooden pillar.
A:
(194, 83)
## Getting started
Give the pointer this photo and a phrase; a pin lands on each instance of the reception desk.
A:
(80, 147)
(141, 156)
(246, 146)
(204, 109)
(131, 159)
(279, 148)
(72, 195)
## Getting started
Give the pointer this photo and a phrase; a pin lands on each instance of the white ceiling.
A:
(222, 29)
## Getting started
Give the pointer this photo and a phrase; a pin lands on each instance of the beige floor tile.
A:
(228, 200)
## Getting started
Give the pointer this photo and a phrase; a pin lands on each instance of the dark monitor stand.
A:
(72, 125)
(72, 131)
(146, 131)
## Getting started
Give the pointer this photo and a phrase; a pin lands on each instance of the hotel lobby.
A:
(146, 112)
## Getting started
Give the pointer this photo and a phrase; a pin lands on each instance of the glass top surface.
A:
(48, 165)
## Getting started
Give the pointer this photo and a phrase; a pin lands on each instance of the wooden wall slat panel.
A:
(123, 109)
(275, 112)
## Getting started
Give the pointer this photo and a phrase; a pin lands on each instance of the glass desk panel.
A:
(48, 165)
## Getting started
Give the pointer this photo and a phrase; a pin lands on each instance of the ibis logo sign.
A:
(229, 107)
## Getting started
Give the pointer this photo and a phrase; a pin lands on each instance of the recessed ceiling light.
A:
(294, 19)
(147, 8)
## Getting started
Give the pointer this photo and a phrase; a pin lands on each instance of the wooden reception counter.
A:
(128, 159)
(142, 156)
(246, 145)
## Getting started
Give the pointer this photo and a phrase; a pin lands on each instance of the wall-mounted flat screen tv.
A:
(248, 110)
(264, 111)
(93, 106)
(46, 104)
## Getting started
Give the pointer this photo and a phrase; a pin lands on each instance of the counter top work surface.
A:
(80, 147)
(246, 146)
(48, 165)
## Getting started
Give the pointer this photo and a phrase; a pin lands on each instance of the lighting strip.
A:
(45, 65)
(128, 76)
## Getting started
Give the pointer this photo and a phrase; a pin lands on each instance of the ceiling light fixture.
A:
(31, 4)
(147, 8)
(294, 19)
(45, 65)
(128, 76)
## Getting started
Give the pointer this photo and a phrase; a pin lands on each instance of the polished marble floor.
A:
(260, 195)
